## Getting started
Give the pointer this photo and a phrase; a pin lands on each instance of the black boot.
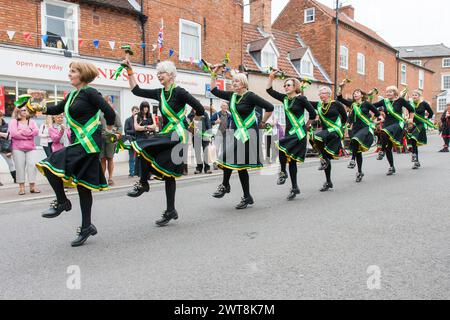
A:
(381, 155)
(245, 201)
(221, 191)
(416, 165)
(293, 193)
(326, 186)
(56, 209)
(138, 189)
(83, 235)
(282, 177)
(352, 164)
(324, 164)
(391, 171)
(13, 175)
(166, 217)
(359, 177)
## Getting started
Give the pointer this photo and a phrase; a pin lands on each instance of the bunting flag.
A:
(44, 38)
(154, 47)
(143, 45)
(64, 40)
(27, 36)
(11, 34)
(96, 43)
(112, 44)
(171, 52)
(161, 36)
(80, 43)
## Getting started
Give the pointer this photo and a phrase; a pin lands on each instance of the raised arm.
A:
(275, 94)
(344, 101)
(225, 95)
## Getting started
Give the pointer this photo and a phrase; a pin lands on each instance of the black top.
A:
(366, 107)
(336, 110)
(84, 107)
(180, 97)
(420, 110)
(130, 133)
(250, 101)
(143, 122)
(397, 105)
(299, 104)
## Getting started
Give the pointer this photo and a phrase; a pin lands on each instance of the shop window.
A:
(38, 91)
(113, 97)
(7, 97)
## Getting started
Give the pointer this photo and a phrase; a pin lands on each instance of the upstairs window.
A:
(417, 62)
(310, 15)
(361, 64)
(403, 74)
(446, 63)
(421, 79)
(344, 57)
(60, 25)
(380, 70)
(190, 41)
(269, 57)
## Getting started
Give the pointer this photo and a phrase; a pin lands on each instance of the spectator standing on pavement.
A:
(45, 140)
(201, 138)
(144, 126)
(5, 147)
(109, 145)
(23, 130)
(221, 122)
(130, 136)
(445, 128)
(59, 133)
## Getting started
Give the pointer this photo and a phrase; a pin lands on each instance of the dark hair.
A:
(363, 94)
(134, 108)
(141, 115)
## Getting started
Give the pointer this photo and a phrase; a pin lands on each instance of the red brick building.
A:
(436, 58)
(364, 57)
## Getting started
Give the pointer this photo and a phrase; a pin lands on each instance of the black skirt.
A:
(164, 152)
(364, 138)
(419, 134)
(395, 133)
(293, 148)
(77, 167)
(236, 155)
(329, 142)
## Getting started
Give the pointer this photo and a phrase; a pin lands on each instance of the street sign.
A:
(220, 85)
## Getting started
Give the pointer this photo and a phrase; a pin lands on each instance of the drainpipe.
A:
(143, 19)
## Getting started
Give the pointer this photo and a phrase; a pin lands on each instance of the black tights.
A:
(415, 149)
(292, 168)
(243, 177)
(386, 146)
(356, 155)
(84, 194)
(170, 184)
(446, 141)
(325, 156)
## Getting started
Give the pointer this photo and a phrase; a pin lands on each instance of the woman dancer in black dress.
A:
(394, 126)
(241, 149)
(78, 164)
(294, 145)
(327, 141)
(163, 154)
(362, 127)
(418, 136)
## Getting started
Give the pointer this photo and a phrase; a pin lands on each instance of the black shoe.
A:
(244, 202)
(293, 193)
(166, 217)
(359, 177)
(138, 189)
(381, 155)
(444, 150)
(208, 171)
(282, 177)
(352, 164)
(198, 171)
(56, 209)
(324, 164)
(83, 235)
(326, 186)
(416, 165)
(13, 175)
(391, 171)
(221, 191)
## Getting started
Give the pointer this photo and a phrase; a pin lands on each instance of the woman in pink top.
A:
(23, 130)
(59, 134)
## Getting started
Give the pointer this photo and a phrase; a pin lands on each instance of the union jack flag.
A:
(161, 36)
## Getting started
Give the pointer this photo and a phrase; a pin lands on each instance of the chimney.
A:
(261, 14)
(349, 11)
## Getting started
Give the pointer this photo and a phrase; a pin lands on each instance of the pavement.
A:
(385, 238)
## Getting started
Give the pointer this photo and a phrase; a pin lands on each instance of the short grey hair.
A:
(167, 66)
(242, 78)
(325, 90)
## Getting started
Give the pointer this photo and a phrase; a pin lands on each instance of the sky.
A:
(399, 22)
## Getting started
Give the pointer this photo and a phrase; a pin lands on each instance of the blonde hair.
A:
(296, 83)
(242, 78)
(167, 66)
(393, 88)
(418, 92)
(16, 113)
(88, 71)
(326, 90)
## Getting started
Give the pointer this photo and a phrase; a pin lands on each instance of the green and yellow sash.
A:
(332, 127)
(176, 120)
(358, 113)
(297, 124)
(83, 132)
(391, 110)
(426, 122)
(241, 125)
